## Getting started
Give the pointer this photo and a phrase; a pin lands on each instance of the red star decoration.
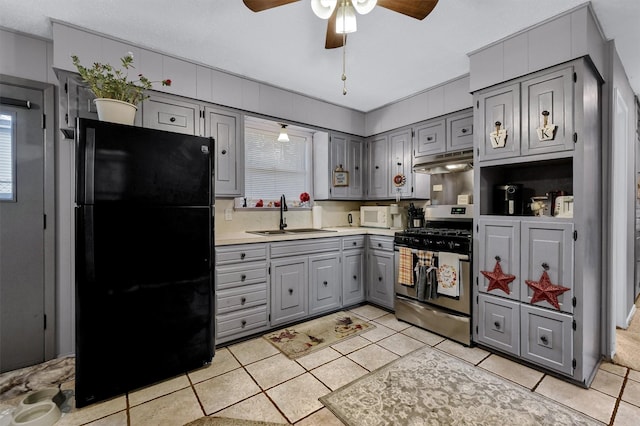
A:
(498, 279)
(544, 290)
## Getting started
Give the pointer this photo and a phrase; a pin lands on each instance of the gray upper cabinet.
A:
(378, 167)
(460, 131)
(429, 138)
(498, 109)
(226, 128)
(346, 153)
(164, 113)
(400, 176)
(548, 98)
(75, 101)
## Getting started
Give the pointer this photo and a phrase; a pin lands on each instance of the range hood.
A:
(450, 162)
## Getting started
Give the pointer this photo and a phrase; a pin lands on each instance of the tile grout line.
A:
(619, 398)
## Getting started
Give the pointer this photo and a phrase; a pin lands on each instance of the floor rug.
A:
(48, 374)
(628, 343)
(429, 387)
(302, 339)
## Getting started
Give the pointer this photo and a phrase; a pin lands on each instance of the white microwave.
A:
(375, 216)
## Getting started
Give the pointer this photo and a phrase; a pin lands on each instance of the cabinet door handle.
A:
(223, 152)
(172, 119)
(243, 277)
(377, 167)
(325, 283)
(380, 245)
(497, 325)
(399, 164)
(243, 323)
(544, 339)
(357, 168)
(379, 278)
(242, 255)
(290, 291)
(243, 300)
(429, 138)
(354, 243)
(355, 277)
(464, 130)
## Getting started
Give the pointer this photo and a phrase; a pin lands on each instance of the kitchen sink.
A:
(301, 230)
(269, 232)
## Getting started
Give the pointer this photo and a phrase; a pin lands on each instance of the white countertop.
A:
(229, 238)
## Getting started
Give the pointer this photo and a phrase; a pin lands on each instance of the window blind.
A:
(6, 158)
(274, 168)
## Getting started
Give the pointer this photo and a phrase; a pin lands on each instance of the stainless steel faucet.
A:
(283, 208)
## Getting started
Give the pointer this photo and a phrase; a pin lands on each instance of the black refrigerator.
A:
(144, 257)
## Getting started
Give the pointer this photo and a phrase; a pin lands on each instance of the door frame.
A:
(49, 193)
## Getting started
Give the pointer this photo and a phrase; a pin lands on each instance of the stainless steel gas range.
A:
(433, 272)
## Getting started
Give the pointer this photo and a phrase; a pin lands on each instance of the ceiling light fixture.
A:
(345, 21)
(283, 136)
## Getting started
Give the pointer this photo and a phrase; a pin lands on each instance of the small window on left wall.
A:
(7, 157)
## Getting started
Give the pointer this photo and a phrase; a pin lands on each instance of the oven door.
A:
(461, 304)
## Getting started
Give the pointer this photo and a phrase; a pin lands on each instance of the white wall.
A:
(621, 133)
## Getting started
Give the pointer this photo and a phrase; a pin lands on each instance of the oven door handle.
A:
(461, 257)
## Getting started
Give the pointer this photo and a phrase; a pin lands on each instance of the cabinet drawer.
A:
(499, 323)
(304, 247)
(547, 338)
(356, 242)
(381, 243)
(241, 297)
(241, 275)
(171, 115)
(241, 321)
(237, 254)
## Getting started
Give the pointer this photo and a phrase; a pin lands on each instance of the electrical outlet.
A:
(228, 214)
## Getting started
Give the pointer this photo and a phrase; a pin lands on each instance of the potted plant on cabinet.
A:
(116, 95)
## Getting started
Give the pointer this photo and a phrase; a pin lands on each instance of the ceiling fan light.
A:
(346, 19)
(283, 136)
(323, 8)
(364, 6)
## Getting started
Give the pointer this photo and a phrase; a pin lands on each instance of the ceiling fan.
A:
(341, 16)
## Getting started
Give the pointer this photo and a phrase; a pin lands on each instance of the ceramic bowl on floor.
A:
(40, 414)
(42, 395)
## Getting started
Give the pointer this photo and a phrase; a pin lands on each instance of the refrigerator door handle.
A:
(89, 157)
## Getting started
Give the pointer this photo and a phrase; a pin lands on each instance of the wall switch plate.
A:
(228, 214)
(437, 188)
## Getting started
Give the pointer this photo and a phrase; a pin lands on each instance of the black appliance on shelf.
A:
(144, 257)
(448, 229)
(507, 199)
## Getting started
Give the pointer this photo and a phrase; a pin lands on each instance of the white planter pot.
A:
(115, 111)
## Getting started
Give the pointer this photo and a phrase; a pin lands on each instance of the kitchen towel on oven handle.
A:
(449, 274)
(405, 268)
(426, 279)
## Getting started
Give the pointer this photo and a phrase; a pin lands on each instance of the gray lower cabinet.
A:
(499, 323)
(299, 270)
(325, 283)
(353, 261)
(289, 284)
(547, 338)
(380, 271)
(242, 291)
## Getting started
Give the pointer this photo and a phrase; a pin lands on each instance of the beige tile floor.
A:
(253, 380)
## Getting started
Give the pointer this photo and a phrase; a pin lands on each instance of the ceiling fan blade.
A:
(333, 39)
(415, 9)
(260, 5)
